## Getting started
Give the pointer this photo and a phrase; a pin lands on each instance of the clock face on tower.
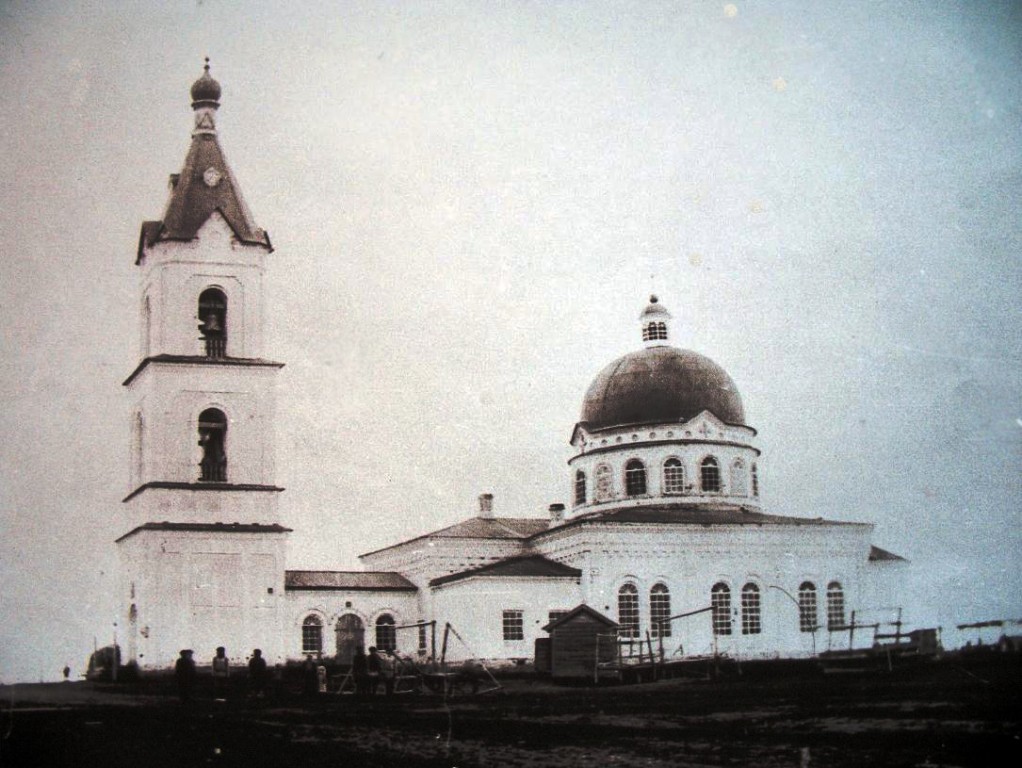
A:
(212, 177)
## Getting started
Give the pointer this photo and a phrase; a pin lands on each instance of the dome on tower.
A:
(206, 88)
(660, 385)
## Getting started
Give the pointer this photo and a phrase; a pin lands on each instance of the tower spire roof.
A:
(205, 184)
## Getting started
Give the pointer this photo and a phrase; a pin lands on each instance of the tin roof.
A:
(660, 385)
(580, 610)
(481, 528)
(351, 581)
(529, 566)
(692, 514)
(877, 554)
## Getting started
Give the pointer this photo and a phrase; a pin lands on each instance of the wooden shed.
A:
(579, 641)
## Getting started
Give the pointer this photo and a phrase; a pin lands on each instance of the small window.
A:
(661, 331)
(312, 635)
(213, 439)
(514, 625)
(635, 478)
(807, 607)
(580, 487)
(751, 617)
(720, 604)
(386, 633)
(604, 483)
(660, 611)
(835, 606)
(628, 611)
(674, 477)
(739, 479)
(710, 475)
(423, 647)
(213, 321)
(755, 481)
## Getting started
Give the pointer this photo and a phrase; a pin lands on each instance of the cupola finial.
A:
(205, 101)
(655, 322)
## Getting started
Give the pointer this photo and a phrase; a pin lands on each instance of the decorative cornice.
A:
(207, 528)
(197, 486)
(249, 362)
(667, 441)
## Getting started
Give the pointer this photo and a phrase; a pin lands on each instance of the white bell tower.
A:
(203, 555)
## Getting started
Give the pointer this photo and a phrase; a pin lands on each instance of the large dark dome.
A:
(660, 385)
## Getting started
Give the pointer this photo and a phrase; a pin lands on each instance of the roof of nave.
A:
(876, 554)
(508, 528)
(208, 528)
(529, 566)
(692, 514)
(347, 581)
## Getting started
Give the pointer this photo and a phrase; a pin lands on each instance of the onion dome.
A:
(205, 88)
(660, 385)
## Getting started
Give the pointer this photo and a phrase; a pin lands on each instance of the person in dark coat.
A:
(184, 674)
(360, 671)
(221, 673)
(374, 665)
(257, 673)
(310, 677)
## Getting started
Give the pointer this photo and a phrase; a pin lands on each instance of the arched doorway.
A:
(350, 635)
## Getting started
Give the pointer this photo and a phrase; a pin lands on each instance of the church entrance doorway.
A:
(350, 635)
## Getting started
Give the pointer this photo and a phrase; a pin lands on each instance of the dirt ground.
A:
(948, 714)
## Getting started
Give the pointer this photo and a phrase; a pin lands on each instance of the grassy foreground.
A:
(946, 714)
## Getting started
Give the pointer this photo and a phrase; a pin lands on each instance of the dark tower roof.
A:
(660, 385)
(205, 184)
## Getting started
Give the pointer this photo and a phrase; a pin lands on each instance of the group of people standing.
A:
(185, 674)
(368, 670)
(372, 669)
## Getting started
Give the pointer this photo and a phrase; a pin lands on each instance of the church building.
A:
(665, 519)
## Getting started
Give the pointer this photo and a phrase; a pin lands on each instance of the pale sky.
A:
(470, 203)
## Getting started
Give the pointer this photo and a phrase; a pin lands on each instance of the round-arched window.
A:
(635, 478)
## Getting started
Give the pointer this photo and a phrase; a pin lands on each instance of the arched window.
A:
(661, 331)
(213, 439)
(580, 487)
(755, 481)
(739, 480)
(835, 606)
(635, 478)
(720, 603)
(674, 477)
(659, 611)
(604, 483)
(628, 611)
(312, 635)
(807, 607)
(213, 321)
(751, 617)
(386, 633)
(709, 475)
